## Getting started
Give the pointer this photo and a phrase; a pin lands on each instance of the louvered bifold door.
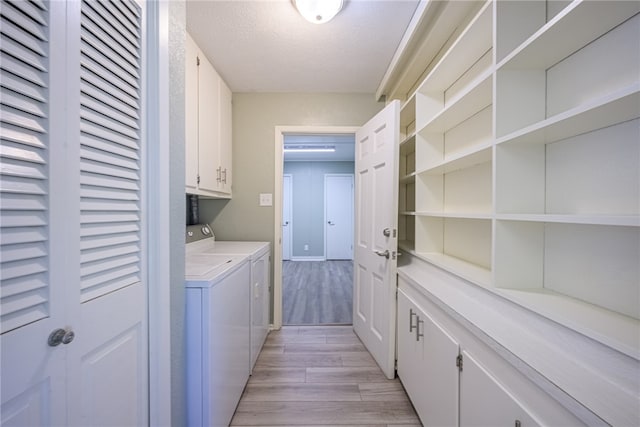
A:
(30, 304)
(110, 147)
(112, 356)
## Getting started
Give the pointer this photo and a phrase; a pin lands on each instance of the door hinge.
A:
(198, 179)
(197, 60)
(459, 362)
(395, 365)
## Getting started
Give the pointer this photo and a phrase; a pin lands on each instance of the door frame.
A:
(280, 132)
(290, 176)
(351, 216)
(163, 254)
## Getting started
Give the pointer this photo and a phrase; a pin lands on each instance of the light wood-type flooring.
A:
(317, 292)
(321, 375)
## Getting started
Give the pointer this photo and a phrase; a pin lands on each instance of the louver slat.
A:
(24, 258)
(109, 149)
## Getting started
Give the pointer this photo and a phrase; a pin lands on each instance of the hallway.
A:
(321, 375)
(317, 292)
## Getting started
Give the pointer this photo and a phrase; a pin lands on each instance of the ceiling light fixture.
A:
(318, 11)
(309, 149)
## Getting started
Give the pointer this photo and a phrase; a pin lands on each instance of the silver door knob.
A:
(60, 336)
(384, 254)
(386, 232)
(331, 223)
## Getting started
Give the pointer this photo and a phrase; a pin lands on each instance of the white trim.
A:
(158, 202)
(308, 258)
(290, 214)
(280, 131)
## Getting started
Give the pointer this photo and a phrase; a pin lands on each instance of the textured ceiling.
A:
(266, 46)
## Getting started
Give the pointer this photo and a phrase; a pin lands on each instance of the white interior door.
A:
(376, 189)
(32, 270)
(72, 216)
(338, 226)
(286, 217)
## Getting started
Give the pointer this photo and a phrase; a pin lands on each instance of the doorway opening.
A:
(314, 221)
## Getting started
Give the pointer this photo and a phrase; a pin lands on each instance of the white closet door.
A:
(33, 391)
(72, 214)
(108, 365)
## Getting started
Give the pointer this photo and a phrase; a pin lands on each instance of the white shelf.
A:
(576, 26)
(614, 108)
(407, 246)
(619, 220)
(461, 160)
(466, 270)
(408, 144)
(616, 330)
(461, 215)
(408, 179)
(408, 213)
(474, 41)
(476, 97)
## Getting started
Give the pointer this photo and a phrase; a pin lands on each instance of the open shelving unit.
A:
(520, 162)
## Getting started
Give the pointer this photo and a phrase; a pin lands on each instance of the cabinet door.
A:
(225, 138)
(410, 371)
(208, 126)
(191, 114)
(437, 356)
(427, 365)
(259, 305)
(484, 402)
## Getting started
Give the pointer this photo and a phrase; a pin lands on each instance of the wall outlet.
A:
(266, 199)
(306, 247)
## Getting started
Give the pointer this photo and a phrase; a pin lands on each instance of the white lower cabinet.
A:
(453, 380)
(484, 401)
(426, 365)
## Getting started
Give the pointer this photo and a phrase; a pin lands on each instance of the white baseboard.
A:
(307, 258)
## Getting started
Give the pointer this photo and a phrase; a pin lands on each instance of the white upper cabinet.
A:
(207, 127)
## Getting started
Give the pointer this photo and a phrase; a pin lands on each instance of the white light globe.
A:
(318, 11)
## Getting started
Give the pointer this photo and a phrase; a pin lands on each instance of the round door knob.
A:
(60, 336)
(68, 337)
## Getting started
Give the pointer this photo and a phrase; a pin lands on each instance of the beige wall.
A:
(255, 116)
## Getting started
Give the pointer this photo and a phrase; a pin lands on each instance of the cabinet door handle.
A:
(418, 333)
(225, 175)
(219, 174)
(411, 325)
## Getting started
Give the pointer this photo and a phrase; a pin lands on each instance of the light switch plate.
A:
(266, 199)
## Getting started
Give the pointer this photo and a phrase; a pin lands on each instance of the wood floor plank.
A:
(337, 413)
(278, 375)
(325, 330)
(345, 375)
(386, 391)
(343, 339)
(298, 338)
(305, 392)
(362, 359)
(298, 360)
(324, 348)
